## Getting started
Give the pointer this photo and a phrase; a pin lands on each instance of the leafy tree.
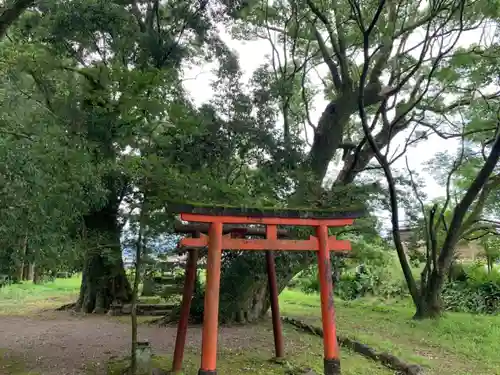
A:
(398, 85)
(491, 246)
(463, 215)
(108, 74)
(45, 186)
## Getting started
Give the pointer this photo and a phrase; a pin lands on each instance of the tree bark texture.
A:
(31, 271)
(430, 305)
(252, 298)
(244, 289)
(103, 278)
(37, 275)
(11, 14)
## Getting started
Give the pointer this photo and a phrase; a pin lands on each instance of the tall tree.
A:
(468, 210)
(402, 44)
(47, 180)
(121, 64)
(482, 125)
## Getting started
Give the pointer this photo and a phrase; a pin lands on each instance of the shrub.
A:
(478, 299)
(376, 259)
(478, 293)
(352, 285)
(457, 272)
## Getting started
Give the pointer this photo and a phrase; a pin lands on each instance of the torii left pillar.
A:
(187, 295)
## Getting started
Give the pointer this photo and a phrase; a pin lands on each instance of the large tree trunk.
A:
(246, 278)
(244, 291)
(20, 272)
(26, 272)
(37, 275)
(22, 259)
(103, 279)
(431, 305)
(31, 271)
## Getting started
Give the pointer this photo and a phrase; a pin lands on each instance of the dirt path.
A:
(61, 344)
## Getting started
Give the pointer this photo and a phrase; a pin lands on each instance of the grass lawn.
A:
(303, 351)
(11, 365)
(458, 344)
(27, 298)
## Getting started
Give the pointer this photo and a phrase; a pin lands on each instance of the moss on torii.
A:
(351, 212)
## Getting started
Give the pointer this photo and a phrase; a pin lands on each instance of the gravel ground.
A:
(62, 344)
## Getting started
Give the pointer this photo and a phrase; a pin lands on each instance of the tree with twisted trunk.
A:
(405, 48)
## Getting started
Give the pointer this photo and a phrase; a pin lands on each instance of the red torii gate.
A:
(217, 241)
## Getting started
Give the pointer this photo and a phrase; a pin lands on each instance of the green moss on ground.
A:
(303, 351)
(13, 365)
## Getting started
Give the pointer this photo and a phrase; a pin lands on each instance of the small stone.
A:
(279, 361)
(415, 370)
(158, 371)
(308, 371)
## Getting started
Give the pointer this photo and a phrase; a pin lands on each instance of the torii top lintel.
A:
(253, 215)
(269, 217)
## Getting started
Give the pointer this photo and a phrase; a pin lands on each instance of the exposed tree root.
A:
(385, 359)
(66, 307)
(168, 319)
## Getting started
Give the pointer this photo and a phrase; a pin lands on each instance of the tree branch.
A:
(339, 52)
(11, 14)
(463, 206)
(412, 286)
(337, 82)
(478, 208)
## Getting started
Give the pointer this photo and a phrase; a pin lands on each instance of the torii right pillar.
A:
(330, 344)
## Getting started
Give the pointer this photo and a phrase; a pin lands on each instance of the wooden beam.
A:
(193, 228)
(262, 212)
(229, 243)
(202, 218)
